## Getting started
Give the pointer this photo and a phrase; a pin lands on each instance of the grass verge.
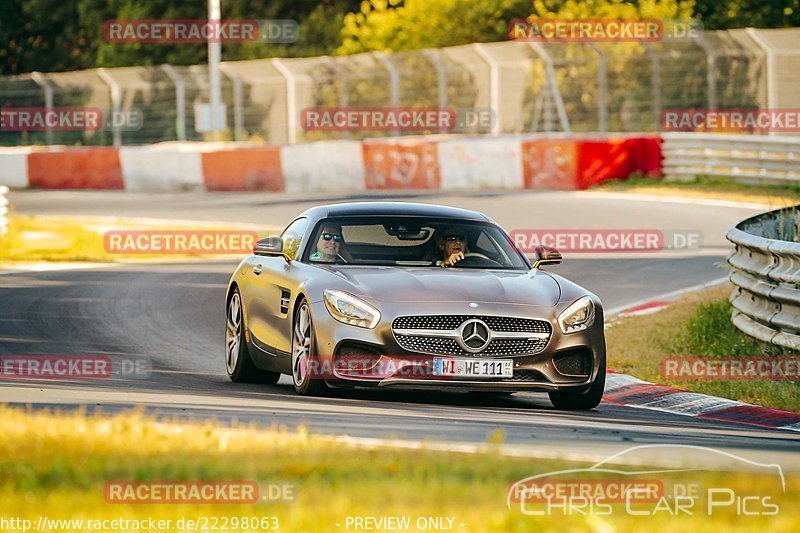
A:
(772, 196)
(51, 238)
(56, 465)
(698, 325)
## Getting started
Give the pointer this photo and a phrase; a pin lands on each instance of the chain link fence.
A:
(530, 87)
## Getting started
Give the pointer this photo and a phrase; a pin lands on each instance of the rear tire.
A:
(304, 354)
(238, 362)
(571, 401)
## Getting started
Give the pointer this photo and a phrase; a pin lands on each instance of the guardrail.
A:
(3, 210)
(766, 275)
(746, 158)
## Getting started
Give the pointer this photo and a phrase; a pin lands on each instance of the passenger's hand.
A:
(453, 259)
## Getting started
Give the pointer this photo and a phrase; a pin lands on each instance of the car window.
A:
(412, 242)
(292, 236)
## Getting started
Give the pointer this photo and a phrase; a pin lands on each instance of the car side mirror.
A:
(271, 246)
(546, 255)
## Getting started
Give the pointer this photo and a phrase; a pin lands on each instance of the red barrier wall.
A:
(244, 169)
(401, 165)
(75, 168)
(550, 164)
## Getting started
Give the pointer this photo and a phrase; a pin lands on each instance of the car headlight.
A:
(578, 316)
(348, 309)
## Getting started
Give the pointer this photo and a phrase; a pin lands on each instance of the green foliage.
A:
(710, 333)
(394, 25)
(58, 35)
(749, 13)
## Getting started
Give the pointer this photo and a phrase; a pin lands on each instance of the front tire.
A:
(238, 362)
(571, 401)
(307, 380)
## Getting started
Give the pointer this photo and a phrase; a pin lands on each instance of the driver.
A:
(453, 244)
(330, 245)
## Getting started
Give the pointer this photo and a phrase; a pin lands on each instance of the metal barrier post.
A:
(238, 112)
(180, 101)
(602, 89)
(551, 77)
(494, 85)
(116, 102)
(42, 81)
(656, 83)
(291, 100)
(3, 210)
(394, 79)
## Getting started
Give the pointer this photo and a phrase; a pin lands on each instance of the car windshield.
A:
(413, 242)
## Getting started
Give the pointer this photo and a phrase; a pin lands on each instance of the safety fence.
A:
(528, 86)
(766, 275)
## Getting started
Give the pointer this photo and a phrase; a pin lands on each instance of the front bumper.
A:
(536, 372)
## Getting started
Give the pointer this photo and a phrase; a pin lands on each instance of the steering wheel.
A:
(473, 259)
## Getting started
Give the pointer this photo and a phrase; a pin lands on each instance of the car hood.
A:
(389, 284)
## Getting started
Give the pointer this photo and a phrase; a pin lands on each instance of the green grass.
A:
(56, 465)
(698, 326)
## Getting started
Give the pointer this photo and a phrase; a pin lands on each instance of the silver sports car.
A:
(417, 296)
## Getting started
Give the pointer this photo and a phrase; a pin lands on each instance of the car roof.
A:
(393, 209)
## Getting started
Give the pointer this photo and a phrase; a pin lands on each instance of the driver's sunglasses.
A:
(334, 236)
(455, 238)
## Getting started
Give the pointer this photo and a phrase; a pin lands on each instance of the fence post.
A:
(602, 89)
(441, 78)
(180, 101)
(656, 83)
(42, 81)
(116, 102)
(551, 77)
(3, 210)
(711, 79)
(238, 112)
(494, 85)
(341, 91)
(394, 77)
(772, 85)
(291, 99)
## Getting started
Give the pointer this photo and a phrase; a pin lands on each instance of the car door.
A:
(272, 285)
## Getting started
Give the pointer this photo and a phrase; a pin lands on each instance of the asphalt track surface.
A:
(172, 315)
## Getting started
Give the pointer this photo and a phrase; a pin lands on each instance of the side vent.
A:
(286, 296)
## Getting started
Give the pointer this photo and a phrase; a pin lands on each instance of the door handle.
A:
(257, 270)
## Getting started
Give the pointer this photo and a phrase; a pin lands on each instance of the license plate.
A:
(476, 368)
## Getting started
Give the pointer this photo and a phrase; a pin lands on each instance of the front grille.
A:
(574, 363)
(495, 323)
(449, 346)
